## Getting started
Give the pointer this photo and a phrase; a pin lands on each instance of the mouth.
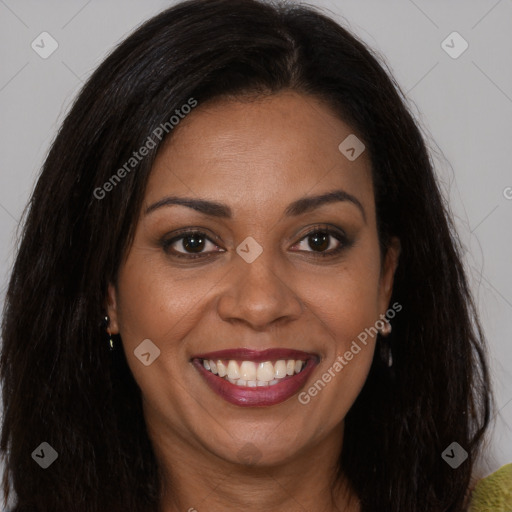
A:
(255, 378)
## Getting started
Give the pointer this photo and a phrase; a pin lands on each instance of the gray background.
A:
(463, 105)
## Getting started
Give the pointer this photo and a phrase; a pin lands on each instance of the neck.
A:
(196, 479)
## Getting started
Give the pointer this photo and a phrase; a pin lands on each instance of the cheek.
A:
(153, 306)
(345, 299)
(150, 303)
(345, 303)
(347, 312)
(346, 309)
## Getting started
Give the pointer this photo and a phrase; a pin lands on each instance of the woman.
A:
(238, 285)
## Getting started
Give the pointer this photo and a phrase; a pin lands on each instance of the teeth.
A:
(265, 371)
(233, 370)
(280, 369)
(251, 374)
(248, 370)
(221, 369)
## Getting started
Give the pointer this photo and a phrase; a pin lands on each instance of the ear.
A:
(388, 273)
(113, 326)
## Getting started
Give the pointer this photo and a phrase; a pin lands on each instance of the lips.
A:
(246, 377)
(257, 356)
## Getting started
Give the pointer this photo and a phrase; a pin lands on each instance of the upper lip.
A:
(244, 354)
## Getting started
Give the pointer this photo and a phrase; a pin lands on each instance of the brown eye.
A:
(319, 241)
(324, 242)
(191, 244)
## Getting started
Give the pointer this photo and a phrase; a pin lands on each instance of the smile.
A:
(255, 378)
(251, 374)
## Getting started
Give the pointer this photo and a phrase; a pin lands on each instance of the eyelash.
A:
(344, 243)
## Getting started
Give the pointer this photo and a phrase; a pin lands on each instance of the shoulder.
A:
(494, 492)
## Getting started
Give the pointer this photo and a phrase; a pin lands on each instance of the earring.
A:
(385, 345)
(386, 328)
(386, 353)
(110, 341)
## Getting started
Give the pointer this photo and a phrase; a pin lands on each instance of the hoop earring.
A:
(110, 340)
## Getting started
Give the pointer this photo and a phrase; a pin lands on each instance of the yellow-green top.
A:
(494, 492)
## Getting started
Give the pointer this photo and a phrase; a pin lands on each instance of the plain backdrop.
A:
(463, 105)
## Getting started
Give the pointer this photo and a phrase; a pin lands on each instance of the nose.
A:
(256, 295)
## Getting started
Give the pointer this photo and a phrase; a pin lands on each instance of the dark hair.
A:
(60, 383)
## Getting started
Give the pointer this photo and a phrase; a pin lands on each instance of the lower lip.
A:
(258, 396)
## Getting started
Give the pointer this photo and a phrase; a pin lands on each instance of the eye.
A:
(324, 241)
(190, 244)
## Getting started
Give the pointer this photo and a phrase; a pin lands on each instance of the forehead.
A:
(259, 152)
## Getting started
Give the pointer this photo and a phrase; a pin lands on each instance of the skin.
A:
(256, 156)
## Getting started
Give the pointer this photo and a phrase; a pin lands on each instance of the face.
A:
(268, 280)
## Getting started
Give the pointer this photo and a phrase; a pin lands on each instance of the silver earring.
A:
(386, 328)
(110, 340)
(385, 346)
(386, 354)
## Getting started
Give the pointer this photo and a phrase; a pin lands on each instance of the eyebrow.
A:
(220, 210)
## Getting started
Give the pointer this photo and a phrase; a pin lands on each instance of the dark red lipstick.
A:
(256, 396)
